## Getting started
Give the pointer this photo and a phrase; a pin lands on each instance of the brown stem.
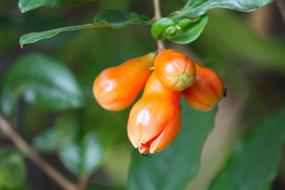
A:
(157, 15)
(9, 132)
(156, 6)
(281, 7)
(261, 20)
(81, 183)
(160, 45)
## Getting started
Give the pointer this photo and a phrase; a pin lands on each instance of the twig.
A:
(81, 183)
(160, 45)
(281, 7)
(8, 131)
(156, 6)
(157, 15)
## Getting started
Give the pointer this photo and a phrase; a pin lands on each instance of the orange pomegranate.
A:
(117, 87)
(175, 70)
(207, 90)
(155, 120)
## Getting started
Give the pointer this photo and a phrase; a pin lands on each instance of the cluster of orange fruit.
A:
(155, 119)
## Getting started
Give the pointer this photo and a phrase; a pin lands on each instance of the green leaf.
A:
(191, 32)
(265, 53)
(12, 169)
(195, 9)
(114, 19)
(174, 167)
(56, 138)
(83, 157)
(42, 82)
(255, 160)
(194, 3)
(8, 99)
(118, 19)
(37, 36)
(27, 5)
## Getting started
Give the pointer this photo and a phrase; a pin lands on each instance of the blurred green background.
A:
(243, 151)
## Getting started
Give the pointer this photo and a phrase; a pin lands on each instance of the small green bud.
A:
(171, 31)
(160, 26)
(183, 23)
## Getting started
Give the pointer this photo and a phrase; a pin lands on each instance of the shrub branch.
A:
(28, 151)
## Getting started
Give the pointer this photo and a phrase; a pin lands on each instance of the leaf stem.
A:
(157, 15)
(9, 132)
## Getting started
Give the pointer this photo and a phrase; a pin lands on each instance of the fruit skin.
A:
(117, 87)
(175, 70)
(155, 120)
(207, 90)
